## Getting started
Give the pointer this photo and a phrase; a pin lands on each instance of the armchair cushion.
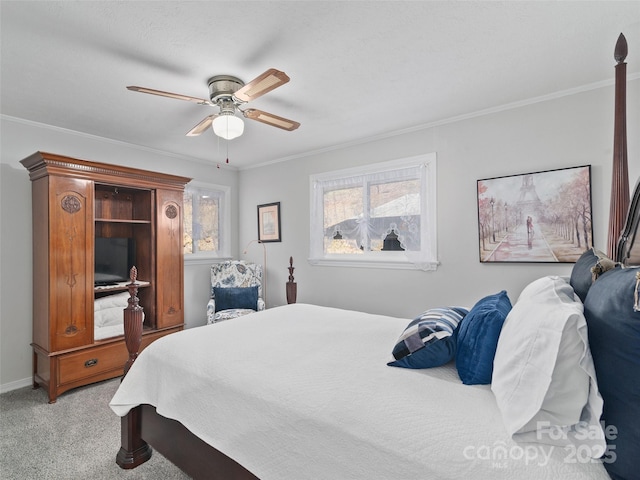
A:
(231, 313)
(235, 297)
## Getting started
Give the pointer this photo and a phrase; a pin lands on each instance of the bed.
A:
(319, 398)
(303, 391)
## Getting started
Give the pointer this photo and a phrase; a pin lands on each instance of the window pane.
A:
(343, 210)
(188, 222)
(394, 199)
(342, 245)
(394, 206)
(206, 224)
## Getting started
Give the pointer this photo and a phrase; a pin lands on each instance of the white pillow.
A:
(543, 375)
(108, 332)
(111, 301)
(108, 315)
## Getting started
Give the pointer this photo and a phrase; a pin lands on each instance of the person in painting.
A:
(529, 231)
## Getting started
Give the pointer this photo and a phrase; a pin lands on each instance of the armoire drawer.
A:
(92, 361)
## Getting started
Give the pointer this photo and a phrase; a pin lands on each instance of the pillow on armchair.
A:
(236, 297)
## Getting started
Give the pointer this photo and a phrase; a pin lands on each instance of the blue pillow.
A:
(614, 339)
(235, 297)
(478, 338)
(590, 264)
(429, 340)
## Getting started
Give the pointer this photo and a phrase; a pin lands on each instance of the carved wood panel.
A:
(170, 276)
(71, 261)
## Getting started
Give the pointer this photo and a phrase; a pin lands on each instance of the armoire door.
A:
(169, 255)
(70, 262)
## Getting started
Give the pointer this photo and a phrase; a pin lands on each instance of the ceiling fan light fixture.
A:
(228, 126)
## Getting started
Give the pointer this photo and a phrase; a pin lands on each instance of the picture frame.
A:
(539, 217)
(269, 222)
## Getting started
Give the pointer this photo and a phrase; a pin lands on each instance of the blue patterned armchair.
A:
(236, 290)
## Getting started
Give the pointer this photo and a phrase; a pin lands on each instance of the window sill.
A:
(393, 263)
(203, 259)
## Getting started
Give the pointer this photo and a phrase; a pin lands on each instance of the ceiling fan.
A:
(229, 93)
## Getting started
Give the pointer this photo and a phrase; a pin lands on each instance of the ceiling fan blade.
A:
(201, 127)
(177, 96)
(270, 119)
(262, 84)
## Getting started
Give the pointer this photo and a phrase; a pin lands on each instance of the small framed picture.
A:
(269, 222)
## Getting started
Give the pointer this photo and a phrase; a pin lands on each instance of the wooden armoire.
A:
(75, 201)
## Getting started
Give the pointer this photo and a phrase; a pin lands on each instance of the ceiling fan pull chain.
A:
(218, 152)
(227, 160)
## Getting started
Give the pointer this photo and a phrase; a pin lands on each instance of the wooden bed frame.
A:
(143, 427)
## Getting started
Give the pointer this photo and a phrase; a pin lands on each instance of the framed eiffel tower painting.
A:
(540, 217)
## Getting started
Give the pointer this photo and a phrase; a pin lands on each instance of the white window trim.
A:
(202, 258)
(393, 260)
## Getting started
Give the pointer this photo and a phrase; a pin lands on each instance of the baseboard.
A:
(7, 387)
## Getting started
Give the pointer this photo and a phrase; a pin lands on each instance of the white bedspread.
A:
(304, 392)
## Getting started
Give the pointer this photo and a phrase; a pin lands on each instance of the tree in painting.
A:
(570, 211)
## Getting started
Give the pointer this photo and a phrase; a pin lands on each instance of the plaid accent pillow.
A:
(429, 340)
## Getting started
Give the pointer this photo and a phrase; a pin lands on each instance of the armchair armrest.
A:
(211, 311)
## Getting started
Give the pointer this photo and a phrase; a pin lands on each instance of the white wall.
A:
(20, 139)
(564, 132)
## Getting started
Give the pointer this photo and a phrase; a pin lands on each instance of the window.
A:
(380, 215)
(206, 222)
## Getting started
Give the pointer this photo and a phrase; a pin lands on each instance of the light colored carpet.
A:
(77, 437)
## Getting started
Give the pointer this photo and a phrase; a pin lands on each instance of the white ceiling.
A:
(359, 69)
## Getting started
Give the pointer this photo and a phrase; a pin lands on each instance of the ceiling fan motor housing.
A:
(222, 88)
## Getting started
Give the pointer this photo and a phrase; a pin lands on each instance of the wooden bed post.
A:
(133, 449)
(132, 321)
(620, 176)
(292, 287)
